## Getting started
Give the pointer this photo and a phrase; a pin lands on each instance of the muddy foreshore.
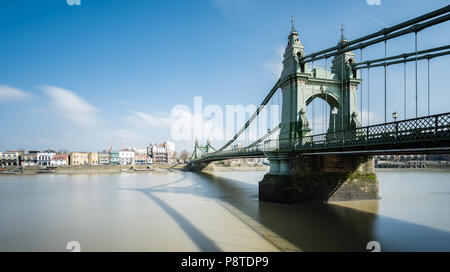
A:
(87, 169)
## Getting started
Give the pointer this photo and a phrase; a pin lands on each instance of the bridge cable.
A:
(368, 96)
(313, 114)
(313, 109)
(361, 87)
(415, 35)
(326, 86)
(279, 106)
(342, 88)
(323, 112)
(428, 66)
(404, 88)
(258, 110)
(323, 116)
(269, 133)
(386, 33)
(421, 55)
(385, 85)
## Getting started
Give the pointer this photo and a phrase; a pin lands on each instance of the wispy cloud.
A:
(71, 106)
(373, 2)
(10, 93)
(155, 120)
(73, 2)
(275, 65)
(376, 20)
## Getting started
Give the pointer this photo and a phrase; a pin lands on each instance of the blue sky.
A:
(91, 76)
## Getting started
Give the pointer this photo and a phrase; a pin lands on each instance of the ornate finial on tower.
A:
(293, 23)
(342, 33)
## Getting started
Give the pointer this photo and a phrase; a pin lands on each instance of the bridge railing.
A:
(434, 127)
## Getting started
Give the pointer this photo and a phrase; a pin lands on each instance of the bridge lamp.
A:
(395, 116)
(334, 111)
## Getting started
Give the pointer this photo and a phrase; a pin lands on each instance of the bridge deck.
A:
(428, 134)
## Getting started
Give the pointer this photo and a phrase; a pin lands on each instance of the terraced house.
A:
(114, 157)
(79, 158)
(60, 160)
(126, 157)
(29, 158)
(93, 158)
(9, 158)
(44, 158)
(103, 158)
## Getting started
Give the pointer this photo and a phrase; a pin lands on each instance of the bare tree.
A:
(184, 156)
(174, 157)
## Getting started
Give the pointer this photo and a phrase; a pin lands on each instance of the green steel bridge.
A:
(299, 87)
(428, 134)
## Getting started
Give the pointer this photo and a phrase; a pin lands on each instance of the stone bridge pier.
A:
(197, 166)
(297, 178)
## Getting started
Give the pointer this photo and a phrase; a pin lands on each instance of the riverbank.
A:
(236, 168)
(106, 169)
(412, 164)
(76, 169)
(380, 170)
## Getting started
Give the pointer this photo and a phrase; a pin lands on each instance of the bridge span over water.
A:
(337, 164)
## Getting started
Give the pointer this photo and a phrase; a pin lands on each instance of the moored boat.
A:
(46, 170)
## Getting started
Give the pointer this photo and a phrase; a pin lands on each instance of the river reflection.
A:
(220, 211)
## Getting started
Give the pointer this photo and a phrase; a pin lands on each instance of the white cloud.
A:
(373, 2)
(73, 2)
(154, 120)
(183, 123)
(275, 65)
(9, 93)
(374, 19)
(71, 106)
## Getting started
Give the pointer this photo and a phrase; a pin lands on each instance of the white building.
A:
(10, 158)
(45, 157)
(149, 160)
(170, 147)
(126, 157)
(161, 153)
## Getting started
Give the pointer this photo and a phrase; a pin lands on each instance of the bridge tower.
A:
(199, 151)
(294, 177)
(300, 86)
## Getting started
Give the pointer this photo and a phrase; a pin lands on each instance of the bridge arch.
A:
(319, 106)
(330, 98)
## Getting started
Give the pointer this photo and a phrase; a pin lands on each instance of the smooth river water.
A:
(220, 211)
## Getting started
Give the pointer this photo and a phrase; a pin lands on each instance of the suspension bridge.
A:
(337, 164)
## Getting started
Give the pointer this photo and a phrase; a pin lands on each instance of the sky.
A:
(107, 73)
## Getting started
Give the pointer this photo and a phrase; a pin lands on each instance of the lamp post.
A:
(334, 111)
(395, 116)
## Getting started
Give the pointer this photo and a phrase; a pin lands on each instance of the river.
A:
(220, 211)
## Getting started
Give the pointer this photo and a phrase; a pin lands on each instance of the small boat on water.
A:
(11, 171)
(46, 170)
